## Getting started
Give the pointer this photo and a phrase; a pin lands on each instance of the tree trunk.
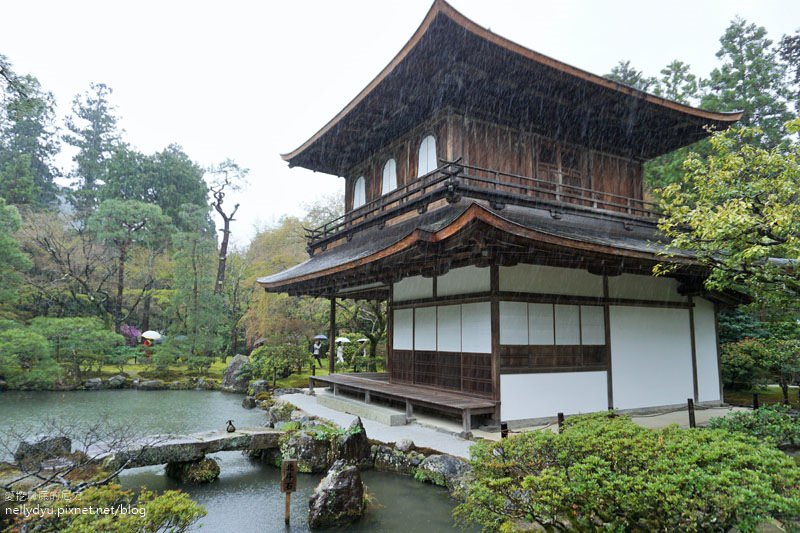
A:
(785, 389)
(223, 254)
(146, 312)
(123, 253)
(195, 298)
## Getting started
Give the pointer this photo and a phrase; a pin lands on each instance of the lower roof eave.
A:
(382, 263)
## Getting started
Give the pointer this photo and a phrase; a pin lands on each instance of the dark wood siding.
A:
(464, 372)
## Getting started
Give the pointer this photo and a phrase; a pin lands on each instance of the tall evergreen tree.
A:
(13, 261)
(168, 178)
(752, 79)
(123, 225)
(28, 140)
(677, 83)
(790, 53)
(94, 131)
(624, 73)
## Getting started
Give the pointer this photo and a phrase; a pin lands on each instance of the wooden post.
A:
(692, 423)
(288, 484)
(332, 338)
(503, 430)
(755, 400)
(560, 421)
(409, 412)
(466, 420)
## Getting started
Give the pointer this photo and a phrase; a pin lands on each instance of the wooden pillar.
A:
(607, 324)
(332, 337)
(466, 421)
(494, 286)
(719, 360)
(390, 334)
(694, 349)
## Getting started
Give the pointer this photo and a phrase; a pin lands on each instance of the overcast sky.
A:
(252, 80)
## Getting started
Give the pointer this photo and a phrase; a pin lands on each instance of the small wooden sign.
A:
(289, 475)
(288, 484)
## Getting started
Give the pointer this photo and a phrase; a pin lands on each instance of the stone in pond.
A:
(233, 380)
(249, 402)
(41, 448)
(93, 384)
(203, 471)
(117, 382)
(338, 499)
(354, 446)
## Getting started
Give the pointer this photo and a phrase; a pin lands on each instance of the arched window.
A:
(359, 192)
(389, 176)
(427, 156)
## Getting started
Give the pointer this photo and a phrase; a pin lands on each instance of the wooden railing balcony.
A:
(454, 179)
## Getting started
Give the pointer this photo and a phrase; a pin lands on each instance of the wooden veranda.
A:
(377, 385)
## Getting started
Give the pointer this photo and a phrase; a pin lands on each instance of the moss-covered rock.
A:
(313, 452)
(339, 499)
(205, 470)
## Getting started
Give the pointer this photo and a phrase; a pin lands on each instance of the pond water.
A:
(246, 497)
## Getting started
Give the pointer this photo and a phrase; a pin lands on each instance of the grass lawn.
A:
(174, 373)
(766, 395)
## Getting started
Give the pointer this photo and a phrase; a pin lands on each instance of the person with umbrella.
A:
(340, 349)
(317, 347)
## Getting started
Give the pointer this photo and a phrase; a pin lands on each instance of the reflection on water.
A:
(246, 497)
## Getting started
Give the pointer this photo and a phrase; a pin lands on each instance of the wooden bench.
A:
(377, 384)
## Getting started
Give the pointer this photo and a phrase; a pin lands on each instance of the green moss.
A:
(425, 476)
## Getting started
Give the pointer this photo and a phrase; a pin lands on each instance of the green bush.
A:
(604, 473)
(168, 511)
(742, 363)
(25, 360)
(272, 362)
(774, 423)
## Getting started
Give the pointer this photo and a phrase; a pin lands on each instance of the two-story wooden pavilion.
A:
(494, 197)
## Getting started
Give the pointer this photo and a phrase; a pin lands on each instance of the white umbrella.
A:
(152, 335)
(342, 339)
(362, 340)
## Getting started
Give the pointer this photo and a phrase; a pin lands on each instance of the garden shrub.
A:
(774, 423)
(25, 360)
(742, 363)
(607, 473)
(169, 511)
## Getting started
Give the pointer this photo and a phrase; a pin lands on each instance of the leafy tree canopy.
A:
(739, 211)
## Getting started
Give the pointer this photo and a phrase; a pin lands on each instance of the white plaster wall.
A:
(651, 356)
(550, 280)
(638, 287)
(540, 324)
(593, 328)
(568, 324)
(705, 336)
(526, 396)
(403, 329)
(476, 328)
(413, 288)
(448, 328)
(463, 280)
(514, 323)
(425, 328)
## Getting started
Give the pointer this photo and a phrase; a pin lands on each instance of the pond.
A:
(246, 497)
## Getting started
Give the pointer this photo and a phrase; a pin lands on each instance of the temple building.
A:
(494, 198)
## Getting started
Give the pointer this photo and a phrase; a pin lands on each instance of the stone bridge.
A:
(158, 450)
